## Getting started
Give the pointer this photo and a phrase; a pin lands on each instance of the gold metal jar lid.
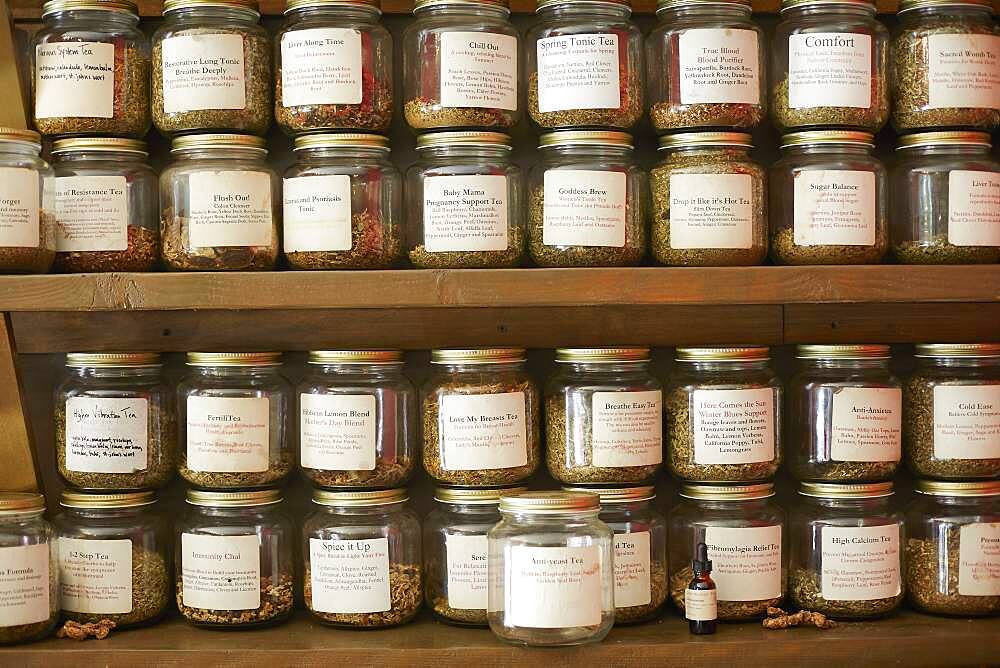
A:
(295, 5)
(112, 360)
(662, 5)
(20, 136)
(345, 140)
(549, 4)
(611, 495)
(957, 350)
(259, 497)
(246, 5)
(549, 502)
(944, 138)
(727, 492)
(585, 138)
(218, 141)
(807, 137)
(795, 4)
(234, 359)
(110, 144)
(474, 496)
(73, 499)
(427, 4)
(910, 5)
(843, 352)
(637, 354)
(21, 502)
(53, 6)
(724, 354)
(463, 138)
(477, 355)
(380, 497)
(355, 356)
(834, 490)
(949, 488)
(696, 139)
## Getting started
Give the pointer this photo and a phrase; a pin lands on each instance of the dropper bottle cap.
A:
(701, 563)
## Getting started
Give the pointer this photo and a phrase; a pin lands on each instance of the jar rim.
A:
(246, 499)
(807, 137)
(957, 350)
(218, 141)
(953, 488)
(910, 5)
(548, 502)
(481, 496)
(602, 355)
(234, 359)
(551, 4)
(53, 6)
(613, 138)
(355, 356)
(787, 5)
(21, 502)
(99, 144)
(246, 5)
(420, 5)
(843, 351)
(944, 138)
(613, 495)
(662, 5)
(449, 138)
(713, 138)
(709, 492)
(359, 499)
(296, 5)
(837, 490)
(20, 136)
(110, 500)
(344, 140)
(477, 355)
(723, 354)
(113, 360)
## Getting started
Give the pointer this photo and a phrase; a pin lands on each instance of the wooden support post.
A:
(15, 112)
(18, 470)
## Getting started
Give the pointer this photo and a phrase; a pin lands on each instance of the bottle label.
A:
(19, 202)
(553, 587)
(321, 66)
(229, 209)
(711, 211)
(584, 207)
(719, 65)
(96, 575)
(733, 426)
(979, 559)
(203, 72)
(834, 68)
(349, 576)
(220, 572)
(746, 562)
(483, 431)
(478, 69)
(337, 431)
(632, 569)
(92, 212)
(834, 208)
(578, 72)
(317, 213)
(228, 435)
(701, 605)
(967, 422)
(627, 428)
(465, 213)
(24, 585)
(75, 80)
(866, 424)
(963, 71)
(107, 435)
(467, 575)
(973, 208)
(860, 563)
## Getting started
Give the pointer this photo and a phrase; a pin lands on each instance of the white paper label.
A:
(107, 435)
(578, 72)
(733, 426)
(483, 431)
(746, 562)
(19, 202)
(467, 574)
(478, 69)
(337, 431)
(92, 212)
(627, 428)
(974, 208)
(230, 209)
(834, 208)
(632, 569)
(203, 72)
(829, 69)
(24, 584)
(584, 207)
(96, 575)
(711, 211)
(719, 65)
(349, 576)
(967, 422)
(859, 563)
(553, 587)
(979, 559)
(317, 213)
(321, 66)
(75, 80)
(701, 605)
(228, 435)
(220, 572)
(866, 424)
(963, 71)
(465, 213)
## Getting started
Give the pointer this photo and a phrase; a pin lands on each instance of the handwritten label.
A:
(220, 572)
(203, 72)
(349, 576)
(478, 69)
(578, 72)
(107, 435)
(228, 435)
(75, 80)
(95, 576)
(321, 66)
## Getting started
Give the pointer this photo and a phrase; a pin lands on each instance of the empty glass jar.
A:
(27, 216)
(29, 569)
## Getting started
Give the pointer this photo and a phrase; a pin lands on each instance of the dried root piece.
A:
(77, 631)
(779, 619)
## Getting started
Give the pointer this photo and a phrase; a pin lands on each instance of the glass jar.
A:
(28, 548)
(745, 532)
(27, 204)
(584, 64)
(846, 554)
(463, 198)
(220, 205)
(211, 68)
(587, 201)
(342, 204)
(234, 559)
(114, 558)
(106, 206)
(944, 188)
(357, 419)
(718, 214)
(95, 36)
(829, 200)
(952, 565)
(480, 418)
(723, 415)
(844, 417)
(551, 573)
(115, 422)
(362, 559)
(944, 65)
(707, 66)
(831, 63)
(232, 410)
(951, 412)
(460, 66)
(333, 67)
(603, 417)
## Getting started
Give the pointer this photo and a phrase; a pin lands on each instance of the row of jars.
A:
(210, 67)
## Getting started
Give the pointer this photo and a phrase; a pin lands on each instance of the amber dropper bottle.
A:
(700, 597)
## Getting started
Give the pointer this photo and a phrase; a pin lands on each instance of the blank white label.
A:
(349, 576)
(859, 563)
(75, 80)
(553, 587)
(220, 572)
(632, 570)
(829, 69)
(733, 426)
(24, 584)
(92, 212)
(719, 65)
(746, 562)
(701, 605)
(834, 208)
(228, 435)
(467, 573)
(967, 422)
(578, 72)
(584, 207)
(483, 431)
(963, 71)
(203, 72)
(627, 428)
(465, 213)
(19, 202)
(866, 424)
(979, 559)
(337, 431)
(317, 213)
(229, 209)
(321, 66)
(974, 208)
(478, 69)
(107, 435)
(711, 211)
(96, 575)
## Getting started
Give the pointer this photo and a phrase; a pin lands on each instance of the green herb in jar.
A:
(623, 116)
(424, 114)
(509, 257)
(385, 474)
(657, 595)
(150, 592)
(730, 611)
(924, 581)
(405, 598)
(807, 593)
(784, 250)
(667, 116)
(938, 250)
(276, 472)
(870, 118)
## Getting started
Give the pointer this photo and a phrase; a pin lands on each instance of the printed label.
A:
(963, 71)
(478, 69)
(349, 576)
(719, 65)
(465, 213)
(220, 572)
(553, 587)
(19, 202)
(627, 428)
(24, 584)
(107, 435)
(230, 209)
(733, 426)
(711, 211)
(632, 569)
(337, 431)
(834, 208)
(834, 68)
(866, 424)
(203, 72)
(228, 435)
(317, 213)
(578, 72)
(321, 66)
(979, 559)
(96, 575)
(973, 208)
(701, 605)
(746, 562)
(92, 212)
(967, 422)
(859, 563)
(583, 208)
(483, 431)
(74, 80)
(467, 575)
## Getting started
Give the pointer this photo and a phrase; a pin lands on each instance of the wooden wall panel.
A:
(18, 468)
(892, 323)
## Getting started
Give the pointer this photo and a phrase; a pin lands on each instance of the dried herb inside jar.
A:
(806, 592)
(141, 254)
(628, 112)
(276, 600)
(732, 611)
(938, 250)
(932, 578)
(784, 250)
(387, 473)
(276, 472)
(32, 259)
(405, 597)
(832, 471)
(657, 595)
(672, 116)
(437, 597)
(870, 118)
(150, 592)
(374, 245)
(10, 635)
(179, 255)
(498, 259)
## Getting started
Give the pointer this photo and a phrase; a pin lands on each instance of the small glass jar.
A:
(107, 206)
(220, 205)
(723, 415)
(587, 201)
(944, 61)
(831, 65)
(342, 204)
(115, 422)
(551, 572)
(747, 541)
(114, 558)
(460, 65)
(944, 188)
(357, 419)
(232, 410)
(480, 418)
(333, 67)
(463, 198)
(707, 65)
(27, 547)
(951, 412)
(362, 559)
(952, 565)
(234, 559)
(846, 550)
(211, 68)
(844, 416)
(584, 64)
(829, 200)
(603, 417)
(92, 36)
(718, 214)
(27, 212)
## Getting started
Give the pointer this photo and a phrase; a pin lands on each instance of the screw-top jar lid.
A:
(795, 4)
(110, 144)
(218, 141)
(835, 490)
(944, 138)
(354, 499)
(295, 5)
(474, 496)
(950, 488)
(696, 139)
(612, 495)
(585, 138)
(21, 502)
(727, 492)
(345, 140)
(19, 136)
(637, 354)
(259, 497)
(246, 5)
(463, 138)
(477, 355)
(549, 4)
(234, 359)
(662, 5)
(110, 360)
(426, 4)
(723, 354)
(355, 356)
(74, 499)
(843, 352)
(909, 5)
(807, 137)
(549, 502)
(53, 6)
(957, 350)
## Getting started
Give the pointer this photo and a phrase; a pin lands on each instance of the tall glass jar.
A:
(480, 418)
(29, 603)
(844, 417)
(584, 64)
(587, 201)
(707, 64)
(603, 417)
(333, 67)
(717, 215)
(944, 188)
(551, 573)
(232, 410)
(357, 419)
(460, 65)
(342, 204)
(723, 415)
(27, 218)
(93, 36)
(831, 66)
(951, 412)
(829, 200)
(362, 559)
(115, 422)
(220, 205)
(745, 532)
(847, 550)
(234, 559)
(114, 558)
(463, 198)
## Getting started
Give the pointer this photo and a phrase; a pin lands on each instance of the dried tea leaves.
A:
(141, 254)
(276, 601)
(150, 593)
(405, 595)
(375, 244)
(179, 255)
(731, 611)
(624, 116)
(425, 114)
(277, 470)
(938, 250)
(932, 578)
(422, 258)
(32, 259)
(806, 592)
(870, 118)
(784, 250)
(657, 595)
